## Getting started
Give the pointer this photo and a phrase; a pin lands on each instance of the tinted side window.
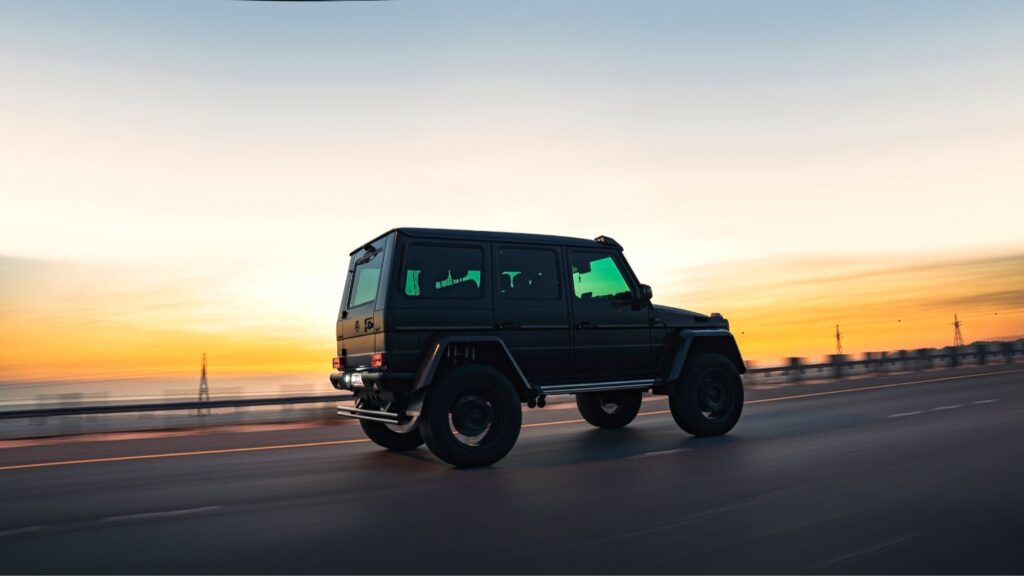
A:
(596, 276)
(442, 272)
(528, 274)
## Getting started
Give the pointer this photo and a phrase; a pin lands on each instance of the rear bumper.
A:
(374, 379)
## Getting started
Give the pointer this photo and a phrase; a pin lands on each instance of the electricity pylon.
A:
(958, 338)
(839, 341)
(204, 390)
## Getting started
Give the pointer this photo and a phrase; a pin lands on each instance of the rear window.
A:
(366, 278)
(442, 272)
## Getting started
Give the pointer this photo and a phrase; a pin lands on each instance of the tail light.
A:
(338, 363)
(377, 360)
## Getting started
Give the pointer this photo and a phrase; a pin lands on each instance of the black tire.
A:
(471, 417)
(708, 399)
(612, 409)
(395, 441)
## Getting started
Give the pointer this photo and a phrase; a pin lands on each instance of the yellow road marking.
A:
(555, 423)
(532, 425)
(178, 454)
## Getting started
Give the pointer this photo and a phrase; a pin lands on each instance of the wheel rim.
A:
(474, 417)
(609, 404)
(715, 396)
(402, 428)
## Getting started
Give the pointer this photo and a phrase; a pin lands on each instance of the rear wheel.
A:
(471, 417)
(709, 399)
(392, 437)
(612, 409)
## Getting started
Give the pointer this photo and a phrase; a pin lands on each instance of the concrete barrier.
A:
(795, 369)
(837, 362)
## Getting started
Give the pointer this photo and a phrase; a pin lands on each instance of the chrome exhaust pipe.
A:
(364, 414)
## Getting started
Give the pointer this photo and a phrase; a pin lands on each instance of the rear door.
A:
(530, 309)
(361, 320)
(611, 340)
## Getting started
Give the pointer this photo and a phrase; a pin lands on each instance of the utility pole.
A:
(958, 338)
(204, 390)
(839, 341)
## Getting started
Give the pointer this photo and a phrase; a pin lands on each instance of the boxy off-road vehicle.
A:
(443, 335)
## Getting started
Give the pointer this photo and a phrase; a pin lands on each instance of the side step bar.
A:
(363, 414)
(595, 387)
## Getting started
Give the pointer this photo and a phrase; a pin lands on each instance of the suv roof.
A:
(441, 233)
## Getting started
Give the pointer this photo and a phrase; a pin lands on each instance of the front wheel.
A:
(709, 398)
(471, 417)
(612, 409)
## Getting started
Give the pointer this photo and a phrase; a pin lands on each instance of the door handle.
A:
(584, 324)
(506, 325)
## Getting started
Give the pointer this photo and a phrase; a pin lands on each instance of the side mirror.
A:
(646, 294)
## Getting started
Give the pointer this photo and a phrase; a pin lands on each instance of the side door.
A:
(611, 338)
(441, 287)
(530, 309)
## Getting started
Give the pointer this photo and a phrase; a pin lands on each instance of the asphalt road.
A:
(910, 473)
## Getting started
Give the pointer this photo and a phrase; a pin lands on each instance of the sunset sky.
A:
(188, 177)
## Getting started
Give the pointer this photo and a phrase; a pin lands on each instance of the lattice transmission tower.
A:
(958, 338)
(204, 390)
(839, 341)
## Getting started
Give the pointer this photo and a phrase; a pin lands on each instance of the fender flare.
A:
(432, 360)
(686, 341)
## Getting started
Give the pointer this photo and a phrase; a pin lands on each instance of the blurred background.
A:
(189, 177)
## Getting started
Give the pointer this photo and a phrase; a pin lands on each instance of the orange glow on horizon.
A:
(63, 327)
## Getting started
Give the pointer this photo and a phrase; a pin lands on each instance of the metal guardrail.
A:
(837, 365)
(919, 359)
(167, 406)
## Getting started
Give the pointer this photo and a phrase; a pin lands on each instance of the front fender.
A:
(688, 344)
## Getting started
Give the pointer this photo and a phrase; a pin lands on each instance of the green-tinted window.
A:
(412, 282)
(442, 272)
(528, 274)
(365, 280)
(596, 276)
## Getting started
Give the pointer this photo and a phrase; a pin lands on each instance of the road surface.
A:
(909, 473)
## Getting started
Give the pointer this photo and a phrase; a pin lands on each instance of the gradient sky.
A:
(180, 177)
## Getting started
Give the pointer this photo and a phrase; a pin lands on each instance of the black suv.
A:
(444, 334)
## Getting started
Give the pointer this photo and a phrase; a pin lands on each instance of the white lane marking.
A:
(940, 408)
(662, 452)
(902, 414)
(25, 530)
(167, 514)
(864, 551)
